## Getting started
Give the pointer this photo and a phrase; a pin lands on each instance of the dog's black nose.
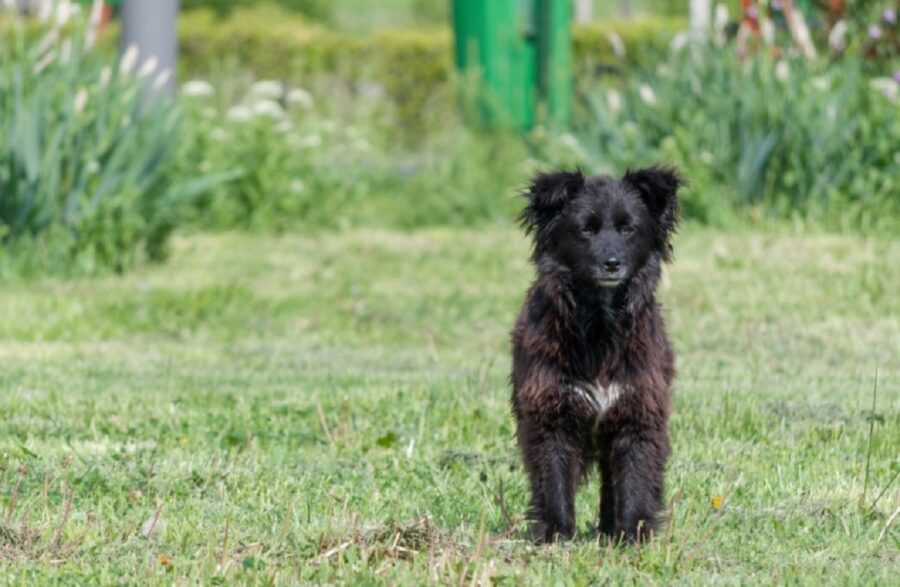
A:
(612, 264)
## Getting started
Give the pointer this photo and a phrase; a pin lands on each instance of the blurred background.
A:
(309, 114)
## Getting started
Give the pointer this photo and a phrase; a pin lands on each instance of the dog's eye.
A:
(589, 229)
(628, 230)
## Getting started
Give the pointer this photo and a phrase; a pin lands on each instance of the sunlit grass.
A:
(334, 408)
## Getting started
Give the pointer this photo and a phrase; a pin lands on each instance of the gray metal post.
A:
(584, 11)
(701, 15)
(150, 25)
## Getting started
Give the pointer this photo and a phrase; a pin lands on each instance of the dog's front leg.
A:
(607, 498)
(555, 464)
(638, 464)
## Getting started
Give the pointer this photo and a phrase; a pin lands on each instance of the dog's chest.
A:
(600, 398)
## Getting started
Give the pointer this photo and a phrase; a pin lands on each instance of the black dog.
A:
(592, 366)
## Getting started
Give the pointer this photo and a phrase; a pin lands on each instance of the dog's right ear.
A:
(547, 195)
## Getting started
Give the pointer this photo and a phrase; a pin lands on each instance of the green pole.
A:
(522, 52)
(492, 38)
(555, 58)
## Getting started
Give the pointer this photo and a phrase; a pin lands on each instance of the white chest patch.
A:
(600, 397)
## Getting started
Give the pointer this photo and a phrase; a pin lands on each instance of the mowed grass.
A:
(334, 409)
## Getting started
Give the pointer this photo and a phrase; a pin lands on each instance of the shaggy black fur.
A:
(592, 366)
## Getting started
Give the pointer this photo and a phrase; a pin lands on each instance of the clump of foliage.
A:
(85, 153)
(315, 163)
(811, 140)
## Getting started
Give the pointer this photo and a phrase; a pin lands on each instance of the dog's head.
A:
(603, 229)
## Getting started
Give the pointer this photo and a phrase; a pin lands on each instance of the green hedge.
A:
(645, 40)
(267, 41)
(321, 10)
(412, 65)
(273, 43)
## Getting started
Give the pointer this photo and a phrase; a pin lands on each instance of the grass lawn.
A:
(334, 409)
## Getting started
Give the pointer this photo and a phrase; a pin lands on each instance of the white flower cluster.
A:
(129, 64)
(265, 99)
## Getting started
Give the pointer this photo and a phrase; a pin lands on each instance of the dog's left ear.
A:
(547, 195)
(658, 188)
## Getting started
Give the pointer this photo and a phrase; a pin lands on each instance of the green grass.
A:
(334, 409)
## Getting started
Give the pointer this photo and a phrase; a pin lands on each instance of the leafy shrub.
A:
(788, 138)
(294, 168)
(337, 163)
(624, 43)
(83, 159)
(266, 41)
(412, 66)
